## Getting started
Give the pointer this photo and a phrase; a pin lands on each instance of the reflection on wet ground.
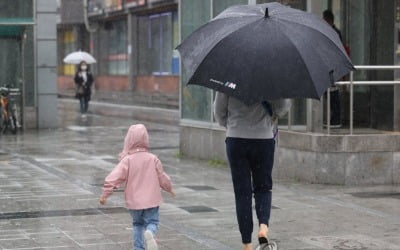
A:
(60, 213)
(50, 182)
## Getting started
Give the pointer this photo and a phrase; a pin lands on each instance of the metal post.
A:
(180, 61)
(22, 88)
(211, 91)
(129, 51)
(211, 106)
(290, 118)
(309, 116)
(351, 102)
(328, 111)
(35, 64)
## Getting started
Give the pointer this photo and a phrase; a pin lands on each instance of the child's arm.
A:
(114, 179)
(163, 178)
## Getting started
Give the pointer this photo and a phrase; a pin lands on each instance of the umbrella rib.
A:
(239, 13)
(220, 41)
(301, 56)
(250, 20)
(309, 27)
(327, 38)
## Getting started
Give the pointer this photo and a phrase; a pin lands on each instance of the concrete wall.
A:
(71, 17)
(202, 142)
(46, 63)
(315, 158)
(339, 159)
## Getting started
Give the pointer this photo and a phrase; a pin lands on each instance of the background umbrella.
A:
(79, 56)
(264, 52)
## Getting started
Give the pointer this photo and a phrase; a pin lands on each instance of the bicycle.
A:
(8, 110)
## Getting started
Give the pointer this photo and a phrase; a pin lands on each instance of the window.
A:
(95, 7)
(111, 45)
(196, 100)
(68, 45)
(156, 43)
(16, 9)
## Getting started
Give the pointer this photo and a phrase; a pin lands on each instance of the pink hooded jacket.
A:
(141, 171)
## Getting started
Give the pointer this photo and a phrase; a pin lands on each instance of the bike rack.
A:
(14, 93)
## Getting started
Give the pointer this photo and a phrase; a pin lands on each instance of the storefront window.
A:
(16, 9)
(219, 6)
(113, 5)
(67, 44)
(358, 34)
(110, 45)
(95, 7)
(29, 71)
(10, 63)
(196, 100)
(134, 3)
(297, 4)
(157, 38)
(11, 51)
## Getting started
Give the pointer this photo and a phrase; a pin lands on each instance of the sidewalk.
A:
(141, 113)
(50, 181)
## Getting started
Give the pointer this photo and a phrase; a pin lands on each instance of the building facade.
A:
(72, 35)
(307, 150)
(28, 58)
(133, 42)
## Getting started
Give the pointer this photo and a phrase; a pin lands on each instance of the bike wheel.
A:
(4, 125)
(13, 125)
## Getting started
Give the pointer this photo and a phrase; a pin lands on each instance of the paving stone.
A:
(50, 182)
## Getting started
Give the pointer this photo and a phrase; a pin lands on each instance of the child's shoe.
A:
(151, 243)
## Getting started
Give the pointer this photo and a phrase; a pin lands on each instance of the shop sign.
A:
(159, 1)
(134, 3)
(113, 5)
(118, 57)
(95, 7)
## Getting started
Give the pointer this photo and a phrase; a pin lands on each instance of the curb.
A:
(141, 113)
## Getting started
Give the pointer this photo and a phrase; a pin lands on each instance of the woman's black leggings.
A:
(251, 162)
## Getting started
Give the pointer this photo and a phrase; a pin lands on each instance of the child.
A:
(143, 176)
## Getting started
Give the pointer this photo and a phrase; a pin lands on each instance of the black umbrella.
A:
(265, 52)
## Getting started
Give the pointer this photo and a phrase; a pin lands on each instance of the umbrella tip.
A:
(266, 12)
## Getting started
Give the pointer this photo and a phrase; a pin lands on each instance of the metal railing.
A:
(353, 83)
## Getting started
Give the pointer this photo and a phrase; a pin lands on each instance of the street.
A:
(50, 182)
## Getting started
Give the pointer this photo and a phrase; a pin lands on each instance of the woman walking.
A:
(250, 147)
(83, 81)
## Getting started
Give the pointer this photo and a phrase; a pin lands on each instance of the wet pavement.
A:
(50, 181)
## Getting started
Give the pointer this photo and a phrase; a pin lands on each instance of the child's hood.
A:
(137, 137)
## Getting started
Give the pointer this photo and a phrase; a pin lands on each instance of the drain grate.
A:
(201, 188)
(198, 209)
(395, 195)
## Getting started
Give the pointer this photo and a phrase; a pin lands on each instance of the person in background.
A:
(83, 81)
(335, 119)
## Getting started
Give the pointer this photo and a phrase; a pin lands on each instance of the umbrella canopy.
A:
(79, 56)
(265, 52)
